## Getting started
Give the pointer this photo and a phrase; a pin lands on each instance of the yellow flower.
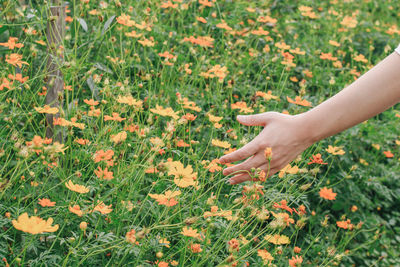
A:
(165, 112)
(288, 169)
(46, 109)
(129, 100)
(265, 255)
(76, 187)
(334, 150)
(119, 137)
(184, 177)
(219, 143)
(213, 118)
(34, 225)
(277, 239)
(349, 22)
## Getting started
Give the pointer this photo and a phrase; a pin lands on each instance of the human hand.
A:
(284, 134)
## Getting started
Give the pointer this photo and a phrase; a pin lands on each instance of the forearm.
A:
(369, 95)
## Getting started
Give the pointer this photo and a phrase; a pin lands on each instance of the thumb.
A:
(253, 120)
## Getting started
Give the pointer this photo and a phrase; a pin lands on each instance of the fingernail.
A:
(231, 181)
(221, 161)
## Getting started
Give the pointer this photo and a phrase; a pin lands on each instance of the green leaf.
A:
(83, 24)
(107, 24)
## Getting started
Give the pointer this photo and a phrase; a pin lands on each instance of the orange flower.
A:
(206, 3)
(81, 189)
(224, 26)
(82, 141)
(260, 31)
(104, 174)
(106, 156)
(196, 248)
(299, 101)
(18, 77)
(265, 255)
(345, 224)
(102, 208)
(181, 143)
(216, 71)
(327, 193)
(115, 117)
(201, 19)
(349, 22)
(242, 106)
(12, 43)
(189, 117)
(146, 42)
(282, 219)
(327, 56)
(268, 153)
(297, 250)
(15, 60)
(204, 41)
(6, 84)
(267, 96)
(317, 159)
(91, 102)
(221, 213)
(167, 199)
(131, 236)
(360, 58)
(34, 225)
(125, 20)
(45, 202)
(76, 210)
(388, 154)
(295, 261)
(190, 232)
(213, 166)
(283, 206)
(168, 4)
(233, 245)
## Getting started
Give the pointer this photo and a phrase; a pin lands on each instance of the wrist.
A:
(309, 131)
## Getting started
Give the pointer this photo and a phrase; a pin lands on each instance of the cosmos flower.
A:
(45, 202)
(167, 199)
(46, 109)
(327, 193)
(277, 239)
(34, 225)
(76, 187)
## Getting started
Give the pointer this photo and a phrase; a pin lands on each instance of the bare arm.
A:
(375, 91)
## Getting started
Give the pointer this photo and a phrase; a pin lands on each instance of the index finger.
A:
(242, 153)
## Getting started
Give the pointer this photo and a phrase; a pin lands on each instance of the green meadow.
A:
(148, 99)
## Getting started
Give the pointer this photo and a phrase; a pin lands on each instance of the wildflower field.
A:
(150, 95)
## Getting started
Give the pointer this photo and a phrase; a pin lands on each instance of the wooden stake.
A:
(55, 83)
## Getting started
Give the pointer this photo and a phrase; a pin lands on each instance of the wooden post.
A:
(55, 83)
